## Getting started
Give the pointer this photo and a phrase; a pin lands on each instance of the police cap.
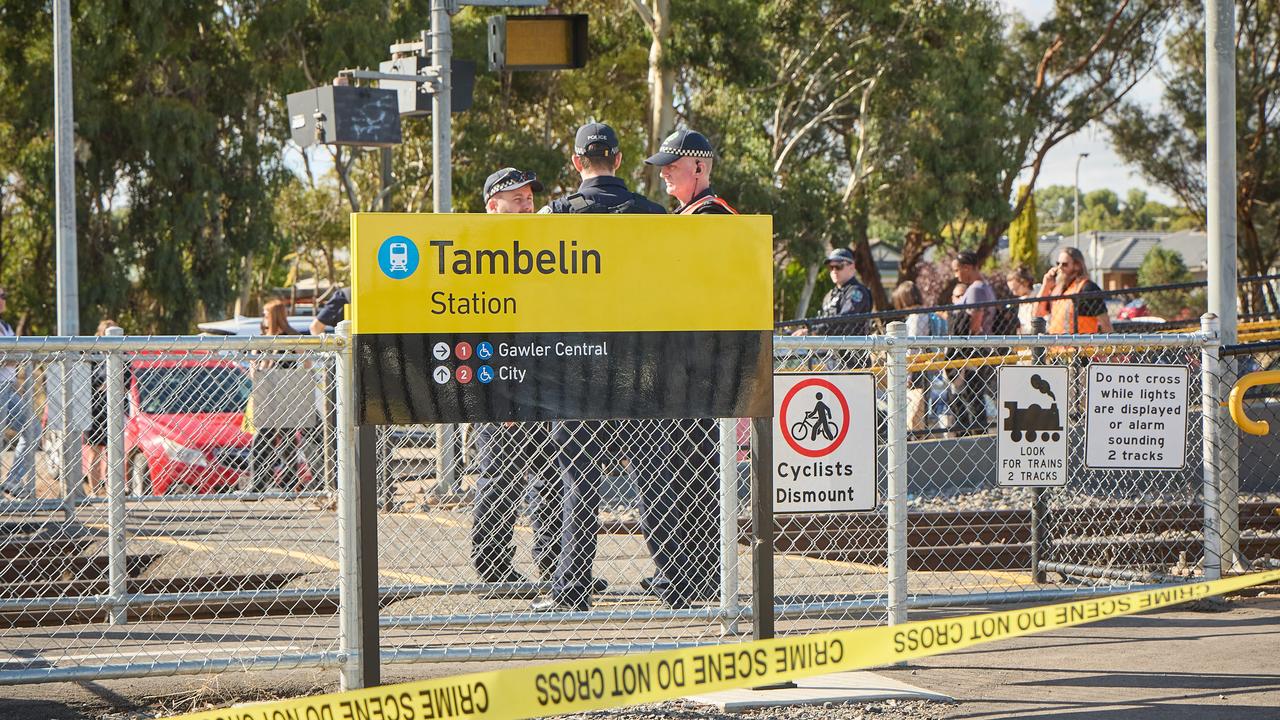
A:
(509, 179)
(840, 255)
(595, 140)
(682, 143)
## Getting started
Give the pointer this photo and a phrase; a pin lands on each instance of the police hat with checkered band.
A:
(509, 179)
(682, 143)
(595, 140)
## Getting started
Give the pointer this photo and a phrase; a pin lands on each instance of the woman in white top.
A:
(1023, 285)
(907, 297)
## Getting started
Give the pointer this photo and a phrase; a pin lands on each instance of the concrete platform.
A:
(848, 687)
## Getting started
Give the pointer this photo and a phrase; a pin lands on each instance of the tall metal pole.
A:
(441, 122)
(64, 172)
(1076, 237)
(1220, 130)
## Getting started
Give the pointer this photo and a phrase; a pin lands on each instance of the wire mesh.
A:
(966, 535)
(230, 537)
(619, 522)
(1249, 496)
(214, 457)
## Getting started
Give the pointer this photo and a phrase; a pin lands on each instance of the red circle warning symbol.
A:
(814, 417)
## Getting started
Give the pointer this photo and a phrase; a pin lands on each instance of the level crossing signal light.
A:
(537, 42)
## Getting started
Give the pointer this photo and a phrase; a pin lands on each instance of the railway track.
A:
(1130, 536)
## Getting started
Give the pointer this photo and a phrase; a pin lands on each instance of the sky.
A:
(1103, 168)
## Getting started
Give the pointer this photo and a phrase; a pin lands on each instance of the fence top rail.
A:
(46, 344)
(787, 344)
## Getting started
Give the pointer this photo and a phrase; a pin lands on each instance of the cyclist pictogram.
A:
(814, 417)
(816, 423)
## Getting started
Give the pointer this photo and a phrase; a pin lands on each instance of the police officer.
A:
(686, 158)
(597, 157)
(848, 297)
(510, 453)
(679, 482)
(583, 446)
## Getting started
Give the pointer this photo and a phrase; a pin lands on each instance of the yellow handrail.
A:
(1236, 401)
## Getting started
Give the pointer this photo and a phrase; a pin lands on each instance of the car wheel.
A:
(140, 475)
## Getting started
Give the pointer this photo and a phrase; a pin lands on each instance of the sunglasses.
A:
(837, 266)
(4, 295)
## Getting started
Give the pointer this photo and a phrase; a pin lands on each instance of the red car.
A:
(183, 433)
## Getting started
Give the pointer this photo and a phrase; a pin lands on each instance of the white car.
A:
(240, 325)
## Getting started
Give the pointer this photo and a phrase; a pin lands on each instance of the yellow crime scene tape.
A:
(611, 682)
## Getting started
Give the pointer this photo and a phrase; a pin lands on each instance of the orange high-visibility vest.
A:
(694, 206)
(1062, 313)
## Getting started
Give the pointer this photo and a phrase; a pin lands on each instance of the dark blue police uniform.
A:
(852, 298)
(510, 458)
(583, 448)
(679, 480)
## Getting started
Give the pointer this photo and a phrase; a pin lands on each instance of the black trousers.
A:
(679, 481)
(514, 463)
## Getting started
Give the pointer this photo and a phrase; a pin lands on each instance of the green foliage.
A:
(1168, 143)
(1104, 210)
(1024, 235)
(847, 121)
(1166, 267)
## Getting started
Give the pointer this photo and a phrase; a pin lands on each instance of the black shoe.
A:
(599, 585)
(551, 604)
(647, 583)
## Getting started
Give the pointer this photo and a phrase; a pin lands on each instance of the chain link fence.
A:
(208, 538)
(167, 506)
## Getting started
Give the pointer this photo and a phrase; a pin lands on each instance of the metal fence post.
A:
(117, 568)
(68, 447)
(897, 481)
(1039, 499)
(761, 528)
(447, 460)
(1212, 394)
(351, 609)
(729, 525)
(1227, 461)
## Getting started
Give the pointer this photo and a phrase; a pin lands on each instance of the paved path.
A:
(1174, 665)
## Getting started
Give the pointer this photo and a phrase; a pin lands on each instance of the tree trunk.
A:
(246, 284)
(662, 81)
(806, 292)
(913, 249)
(863, 260)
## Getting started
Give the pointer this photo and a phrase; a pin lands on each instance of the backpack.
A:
(1005, 321)
(937, 325)
(578, 203)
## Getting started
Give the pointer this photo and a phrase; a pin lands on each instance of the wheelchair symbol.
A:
(484, 350)
(485, 374)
